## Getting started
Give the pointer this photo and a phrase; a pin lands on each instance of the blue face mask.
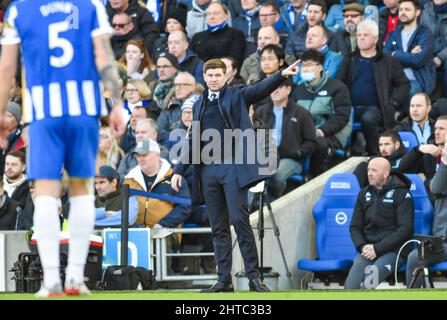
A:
(307, 76)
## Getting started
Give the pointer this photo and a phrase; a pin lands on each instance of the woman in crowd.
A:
(109, 152)
(138, 94)
(137, 61)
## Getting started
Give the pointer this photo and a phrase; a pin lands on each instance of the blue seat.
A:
(409, 140)
(332, 214)
(304, 175)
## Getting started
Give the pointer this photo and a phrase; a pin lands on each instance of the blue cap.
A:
(108, 172)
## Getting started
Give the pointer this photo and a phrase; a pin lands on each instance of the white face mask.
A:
(307, 76)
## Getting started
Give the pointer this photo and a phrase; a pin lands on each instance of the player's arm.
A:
(8, 70)
(105, 63)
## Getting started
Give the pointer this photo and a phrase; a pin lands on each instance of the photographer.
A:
(438, 187)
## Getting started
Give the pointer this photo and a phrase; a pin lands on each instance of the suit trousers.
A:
(227, 204)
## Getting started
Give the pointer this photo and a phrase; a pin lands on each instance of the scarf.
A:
(249, 14)
(440, 8)
(218, 27)
(162, 89)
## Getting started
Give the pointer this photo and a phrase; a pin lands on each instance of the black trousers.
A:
(372, 126)
(226, 203)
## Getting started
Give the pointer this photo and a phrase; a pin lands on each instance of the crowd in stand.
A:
(382, 65)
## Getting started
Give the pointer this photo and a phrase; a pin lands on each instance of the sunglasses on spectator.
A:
(352, 15)
(119, 25)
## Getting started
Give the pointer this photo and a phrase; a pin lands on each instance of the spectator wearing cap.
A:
(344, 41)
(175, 21)
(219, 39)
(189, 62)
(187, 91)
(153, 174)
(142, 19)
(167, 67)
(13, 126)
(14, 180)
(109, 199)
(144, 129)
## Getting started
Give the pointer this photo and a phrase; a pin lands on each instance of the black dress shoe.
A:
(257, 285)
(219, 287)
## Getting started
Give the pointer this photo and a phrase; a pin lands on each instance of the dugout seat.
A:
(409, 140)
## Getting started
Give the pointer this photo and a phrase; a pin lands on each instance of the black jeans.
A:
(372, 126)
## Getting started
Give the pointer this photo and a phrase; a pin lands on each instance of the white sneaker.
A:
(73, 288)
(54, 292)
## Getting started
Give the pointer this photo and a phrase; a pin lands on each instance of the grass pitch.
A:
(437, 294)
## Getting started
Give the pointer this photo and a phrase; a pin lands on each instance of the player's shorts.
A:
(67, 142)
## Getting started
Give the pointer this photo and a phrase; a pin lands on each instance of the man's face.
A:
(298, 3)
(419, 110)
(230, 71)
(122, 24)
(249, 4)
(281, 94)
(440, 132)
(104, 187)
(119, 4)
(10, 122)
(215, 79)
(315, 38)
(187, 117)
(165, 69)
(391, 4)
(177, 44)
(267, 16)
(144, 131)
(387, 147)
(14, 168)
(215, 15)
(267, 36)
(270, 62)
(407, 12)
(184, 86)
(351, 19)
(377, 172)
(315, 15)
(148, 162)
(365, 39)
(137, 114)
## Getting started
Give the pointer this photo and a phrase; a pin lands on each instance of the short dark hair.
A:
(287, 83)
(313, 55)
(232, 61)
(277, 51)
(214, 64)
(416, 3)
(443, 117)
(395, 137)
(18, 154)
(320, 3)
(272, 4)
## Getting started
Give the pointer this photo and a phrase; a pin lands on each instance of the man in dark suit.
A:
(223, 187)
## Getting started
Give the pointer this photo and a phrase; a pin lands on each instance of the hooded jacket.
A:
(195, 20)
(384, 218)
(152, 211)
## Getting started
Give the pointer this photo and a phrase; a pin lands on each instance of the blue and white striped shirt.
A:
(61, 78)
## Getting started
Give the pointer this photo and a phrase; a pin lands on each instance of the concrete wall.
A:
(293, 215)
(15, 243)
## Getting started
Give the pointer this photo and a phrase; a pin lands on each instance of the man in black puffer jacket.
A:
(382, 222)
